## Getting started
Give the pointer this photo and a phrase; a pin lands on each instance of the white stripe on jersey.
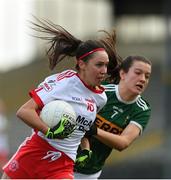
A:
(138, 125)
(142, 104)
(109, 87)
(139, 101)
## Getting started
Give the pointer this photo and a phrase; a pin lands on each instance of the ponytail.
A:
(62, 42)
(109, 43)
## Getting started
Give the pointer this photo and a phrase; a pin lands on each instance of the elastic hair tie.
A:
(88, 53)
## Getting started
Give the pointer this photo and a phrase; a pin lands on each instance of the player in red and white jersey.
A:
(69, 87)
(43, 156)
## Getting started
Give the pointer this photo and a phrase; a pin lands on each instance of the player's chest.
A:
(84, 104)
(118, 113)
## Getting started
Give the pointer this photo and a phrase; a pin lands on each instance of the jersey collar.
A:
(121, 100)
(98, 91)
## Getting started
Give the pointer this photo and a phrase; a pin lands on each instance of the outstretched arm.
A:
(119, 142)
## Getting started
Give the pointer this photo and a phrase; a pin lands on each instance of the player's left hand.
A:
(82, 158)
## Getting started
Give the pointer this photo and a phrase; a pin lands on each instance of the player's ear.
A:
(81, 64)
(122, 74)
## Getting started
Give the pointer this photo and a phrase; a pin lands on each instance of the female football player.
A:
(47, 154)
(121, 120)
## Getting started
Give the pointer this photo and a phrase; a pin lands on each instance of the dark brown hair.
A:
(128, 62)
(109, 43)
(62, 43)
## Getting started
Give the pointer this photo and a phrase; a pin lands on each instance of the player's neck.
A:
(125, 94)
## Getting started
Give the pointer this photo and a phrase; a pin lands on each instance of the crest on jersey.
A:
(13, 166)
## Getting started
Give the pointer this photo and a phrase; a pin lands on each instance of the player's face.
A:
(137, 78)
(93, 72)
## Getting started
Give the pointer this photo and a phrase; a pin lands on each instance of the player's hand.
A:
(62, 130)
(92, 131)
(82, 158)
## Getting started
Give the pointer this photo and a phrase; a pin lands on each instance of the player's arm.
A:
(119, 142)
(85, 143)
(28, 113)
(84, 153)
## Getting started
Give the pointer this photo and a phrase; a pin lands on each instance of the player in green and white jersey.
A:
(121, 121)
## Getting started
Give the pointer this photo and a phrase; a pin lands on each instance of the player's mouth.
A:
(140, 87)
(101, 78)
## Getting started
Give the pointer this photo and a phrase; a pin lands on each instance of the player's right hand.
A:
(62, 130)
(82, 158)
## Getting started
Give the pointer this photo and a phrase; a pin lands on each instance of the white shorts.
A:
(94, 176)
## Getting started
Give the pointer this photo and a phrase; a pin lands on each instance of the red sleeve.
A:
(36, 98)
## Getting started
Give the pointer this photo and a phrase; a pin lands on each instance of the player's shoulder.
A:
(109, 87)
(66, 74)
(142, 103)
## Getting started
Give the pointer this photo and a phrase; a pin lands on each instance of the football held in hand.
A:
(59, 112)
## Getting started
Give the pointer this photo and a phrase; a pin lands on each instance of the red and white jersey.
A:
(86, 102)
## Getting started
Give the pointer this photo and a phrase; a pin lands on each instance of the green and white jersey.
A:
(114, 117)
